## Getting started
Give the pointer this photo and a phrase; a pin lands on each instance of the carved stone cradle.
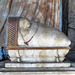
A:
(42, 52)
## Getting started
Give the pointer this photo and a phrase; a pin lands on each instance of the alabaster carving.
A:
(40, 35)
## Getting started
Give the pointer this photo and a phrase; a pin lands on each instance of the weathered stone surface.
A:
(45, 36)
(46, 33)
(43, 11)
(39, 73)
(71, 26)
(71, 29)
(34, 65)
(71, 34)
(4, 11)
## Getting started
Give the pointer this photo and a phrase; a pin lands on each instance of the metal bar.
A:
(36, 48)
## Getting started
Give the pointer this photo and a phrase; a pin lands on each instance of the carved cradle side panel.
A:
(12, 32)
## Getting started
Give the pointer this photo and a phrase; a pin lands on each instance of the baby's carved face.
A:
(24, 23)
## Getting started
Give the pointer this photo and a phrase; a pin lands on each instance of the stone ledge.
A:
(45, 69)
(37, 69)
(39, 65)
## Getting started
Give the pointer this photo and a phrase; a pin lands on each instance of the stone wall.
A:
(71, 29)
(71, 25)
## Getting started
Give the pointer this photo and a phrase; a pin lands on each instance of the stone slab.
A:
(39, 73)
(45, 69)
(34, 65)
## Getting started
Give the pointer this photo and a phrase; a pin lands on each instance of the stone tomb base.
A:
(34, 65)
